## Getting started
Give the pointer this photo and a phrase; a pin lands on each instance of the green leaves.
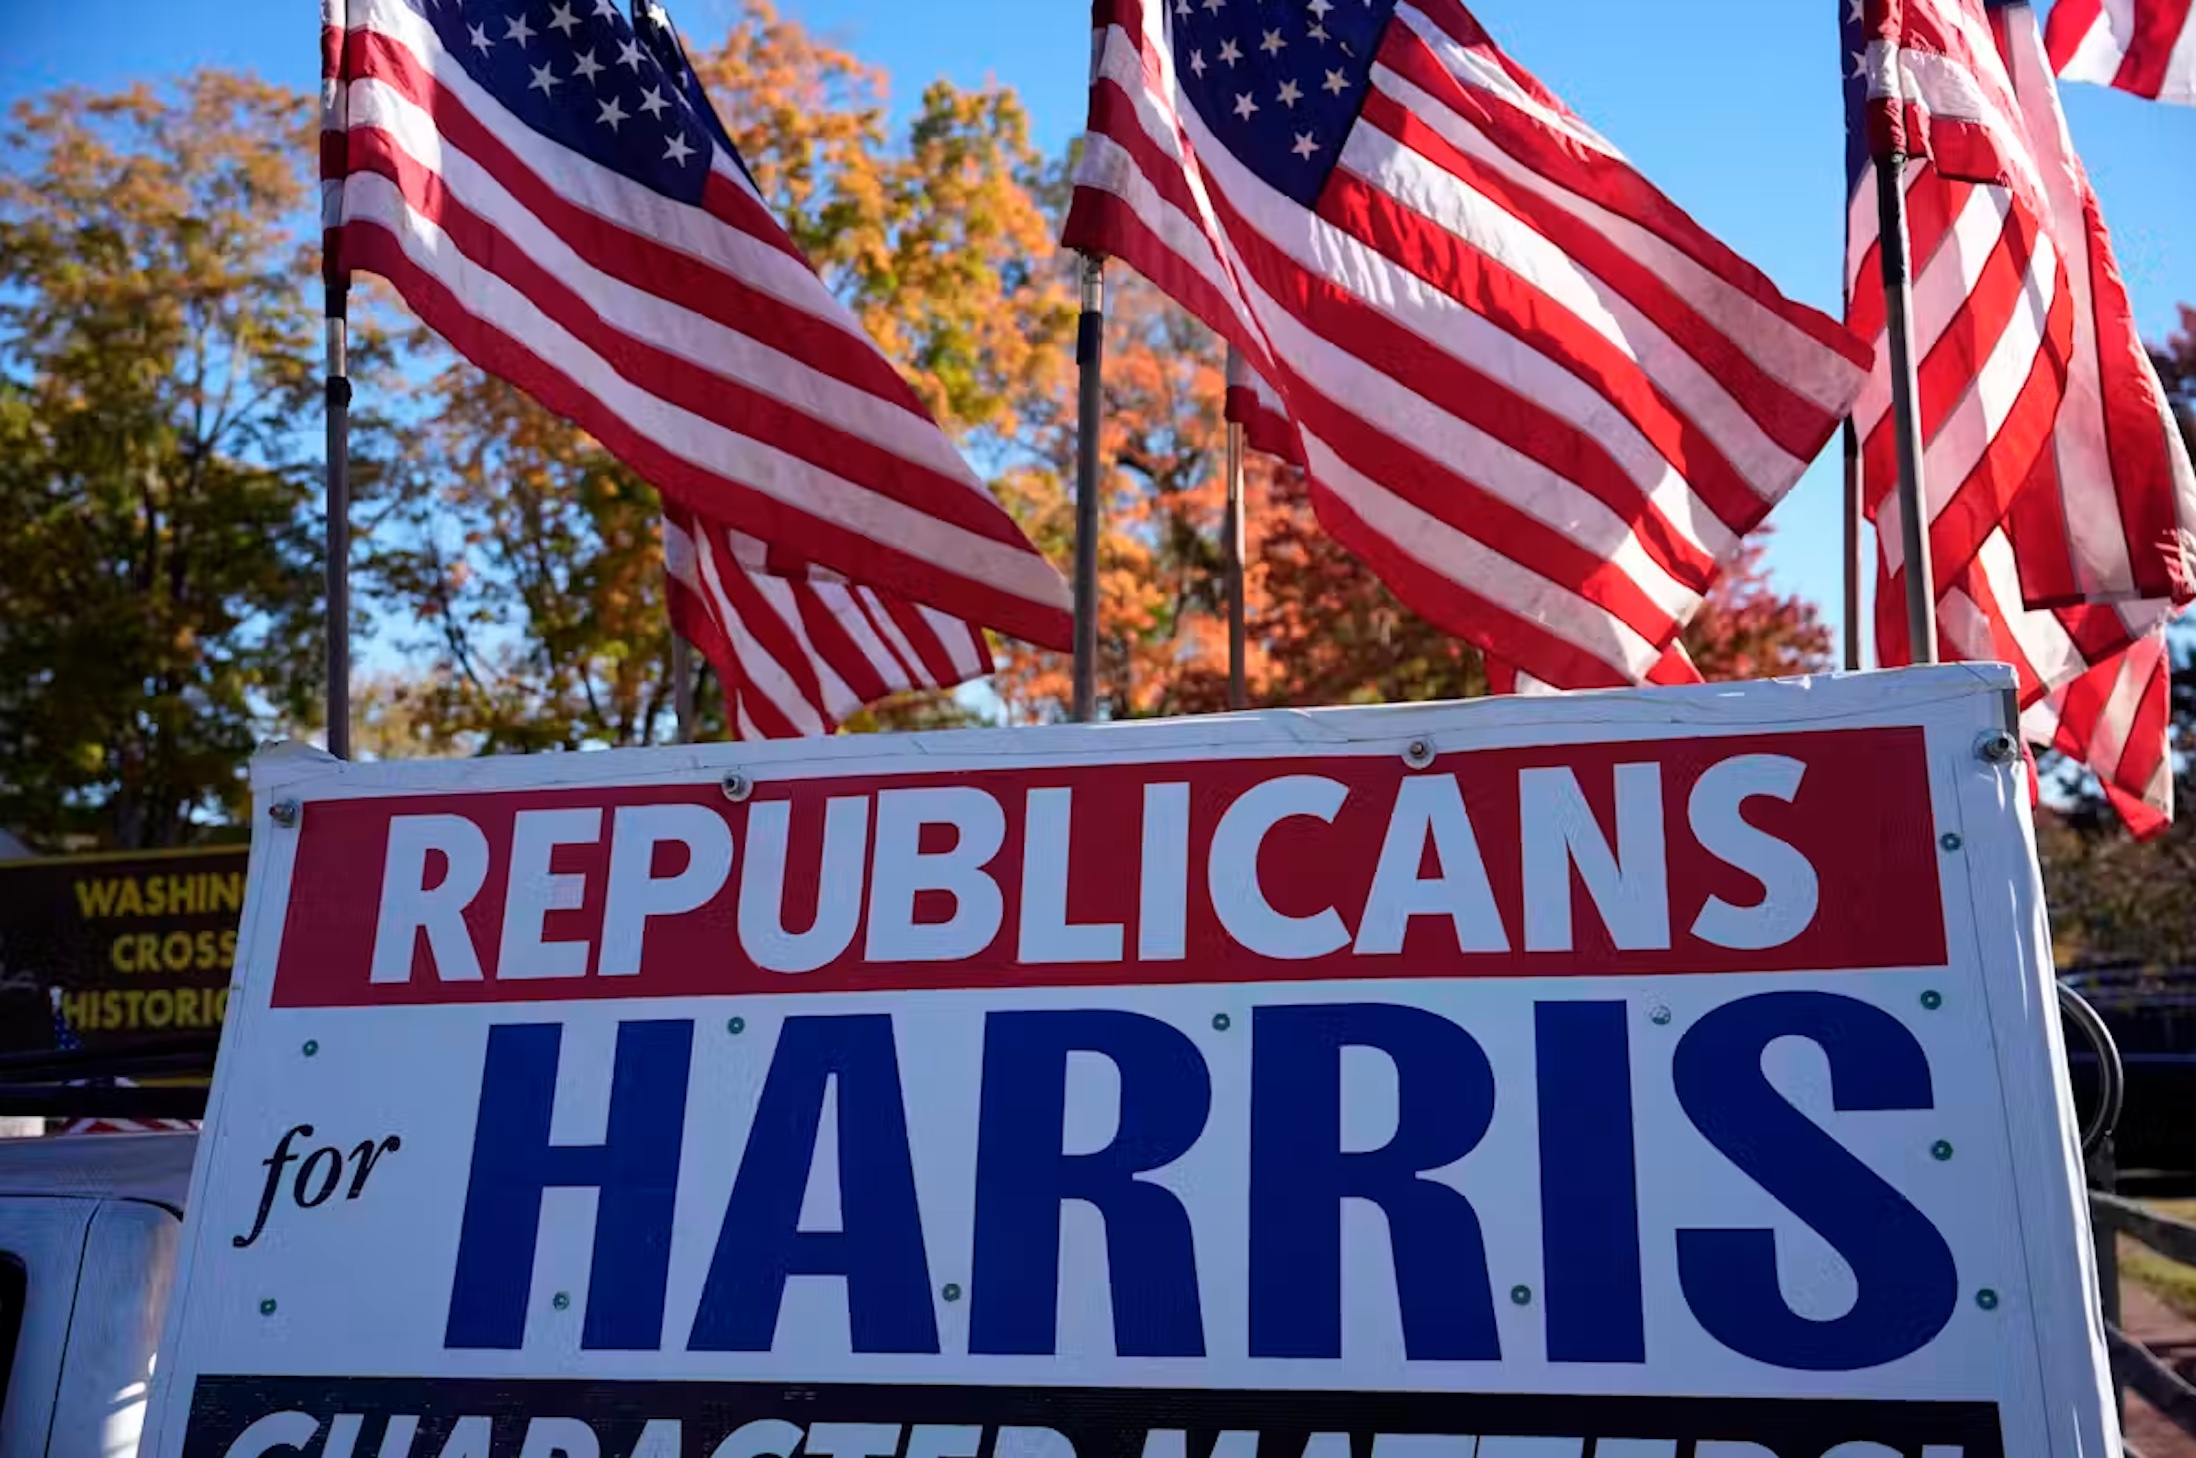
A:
(159, 573)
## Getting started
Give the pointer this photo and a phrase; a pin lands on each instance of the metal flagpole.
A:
(1238, 695)
(1090, 335)
(1898, 301)
(336, 101)
(339, 522)
(682, 685)
(1852, 547)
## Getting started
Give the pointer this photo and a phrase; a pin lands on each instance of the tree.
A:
(2176, 362)
(529, 558)
(159, 568)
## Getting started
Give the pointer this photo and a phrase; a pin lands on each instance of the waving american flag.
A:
(2060, 499)
(547, 187)
(1528, 390)
(2144, 46)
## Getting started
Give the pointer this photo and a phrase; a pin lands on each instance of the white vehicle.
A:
(89, 1232)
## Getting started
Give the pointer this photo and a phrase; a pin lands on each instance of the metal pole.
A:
(339, 524)
(1853, 562)
(1898, 301)
(335, 101)
(682, 685)
(1090, 335)
(1238, 694)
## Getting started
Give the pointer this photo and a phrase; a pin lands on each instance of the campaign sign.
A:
(1642, 1075)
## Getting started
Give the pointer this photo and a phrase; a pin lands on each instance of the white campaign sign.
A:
(1637, 1075)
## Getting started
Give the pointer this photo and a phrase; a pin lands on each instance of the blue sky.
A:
(1731, 106)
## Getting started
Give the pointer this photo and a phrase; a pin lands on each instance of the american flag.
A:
(2060, 496)
(548, 188)
(1537, 398)
(2144, 46)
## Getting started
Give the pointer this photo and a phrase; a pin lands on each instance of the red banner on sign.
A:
(1758, 853)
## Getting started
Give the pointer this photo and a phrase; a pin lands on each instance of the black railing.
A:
(2161, 1377)
(101, 1083)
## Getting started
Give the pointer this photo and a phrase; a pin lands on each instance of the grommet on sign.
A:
(283, 813)
(1418, 753)
(1521, 1295)
(561, 1301)
(952, 1291)
(737, 787)
(1951, 840)
(1997, 747)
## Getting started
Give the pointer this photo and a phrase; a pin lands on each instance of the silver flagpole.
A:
(1852, 547)
(339, 526)
(1238, 695)
(1090, 337)
(682, 685)
(336, 100)
(1898, 308)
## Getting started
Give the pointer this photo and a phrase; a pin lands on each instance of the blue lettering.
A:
(1589, 1188)
(1022, 1177)
(879, 1247)
(1907, 1280)
(1299, 1176)
(636, 1170)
